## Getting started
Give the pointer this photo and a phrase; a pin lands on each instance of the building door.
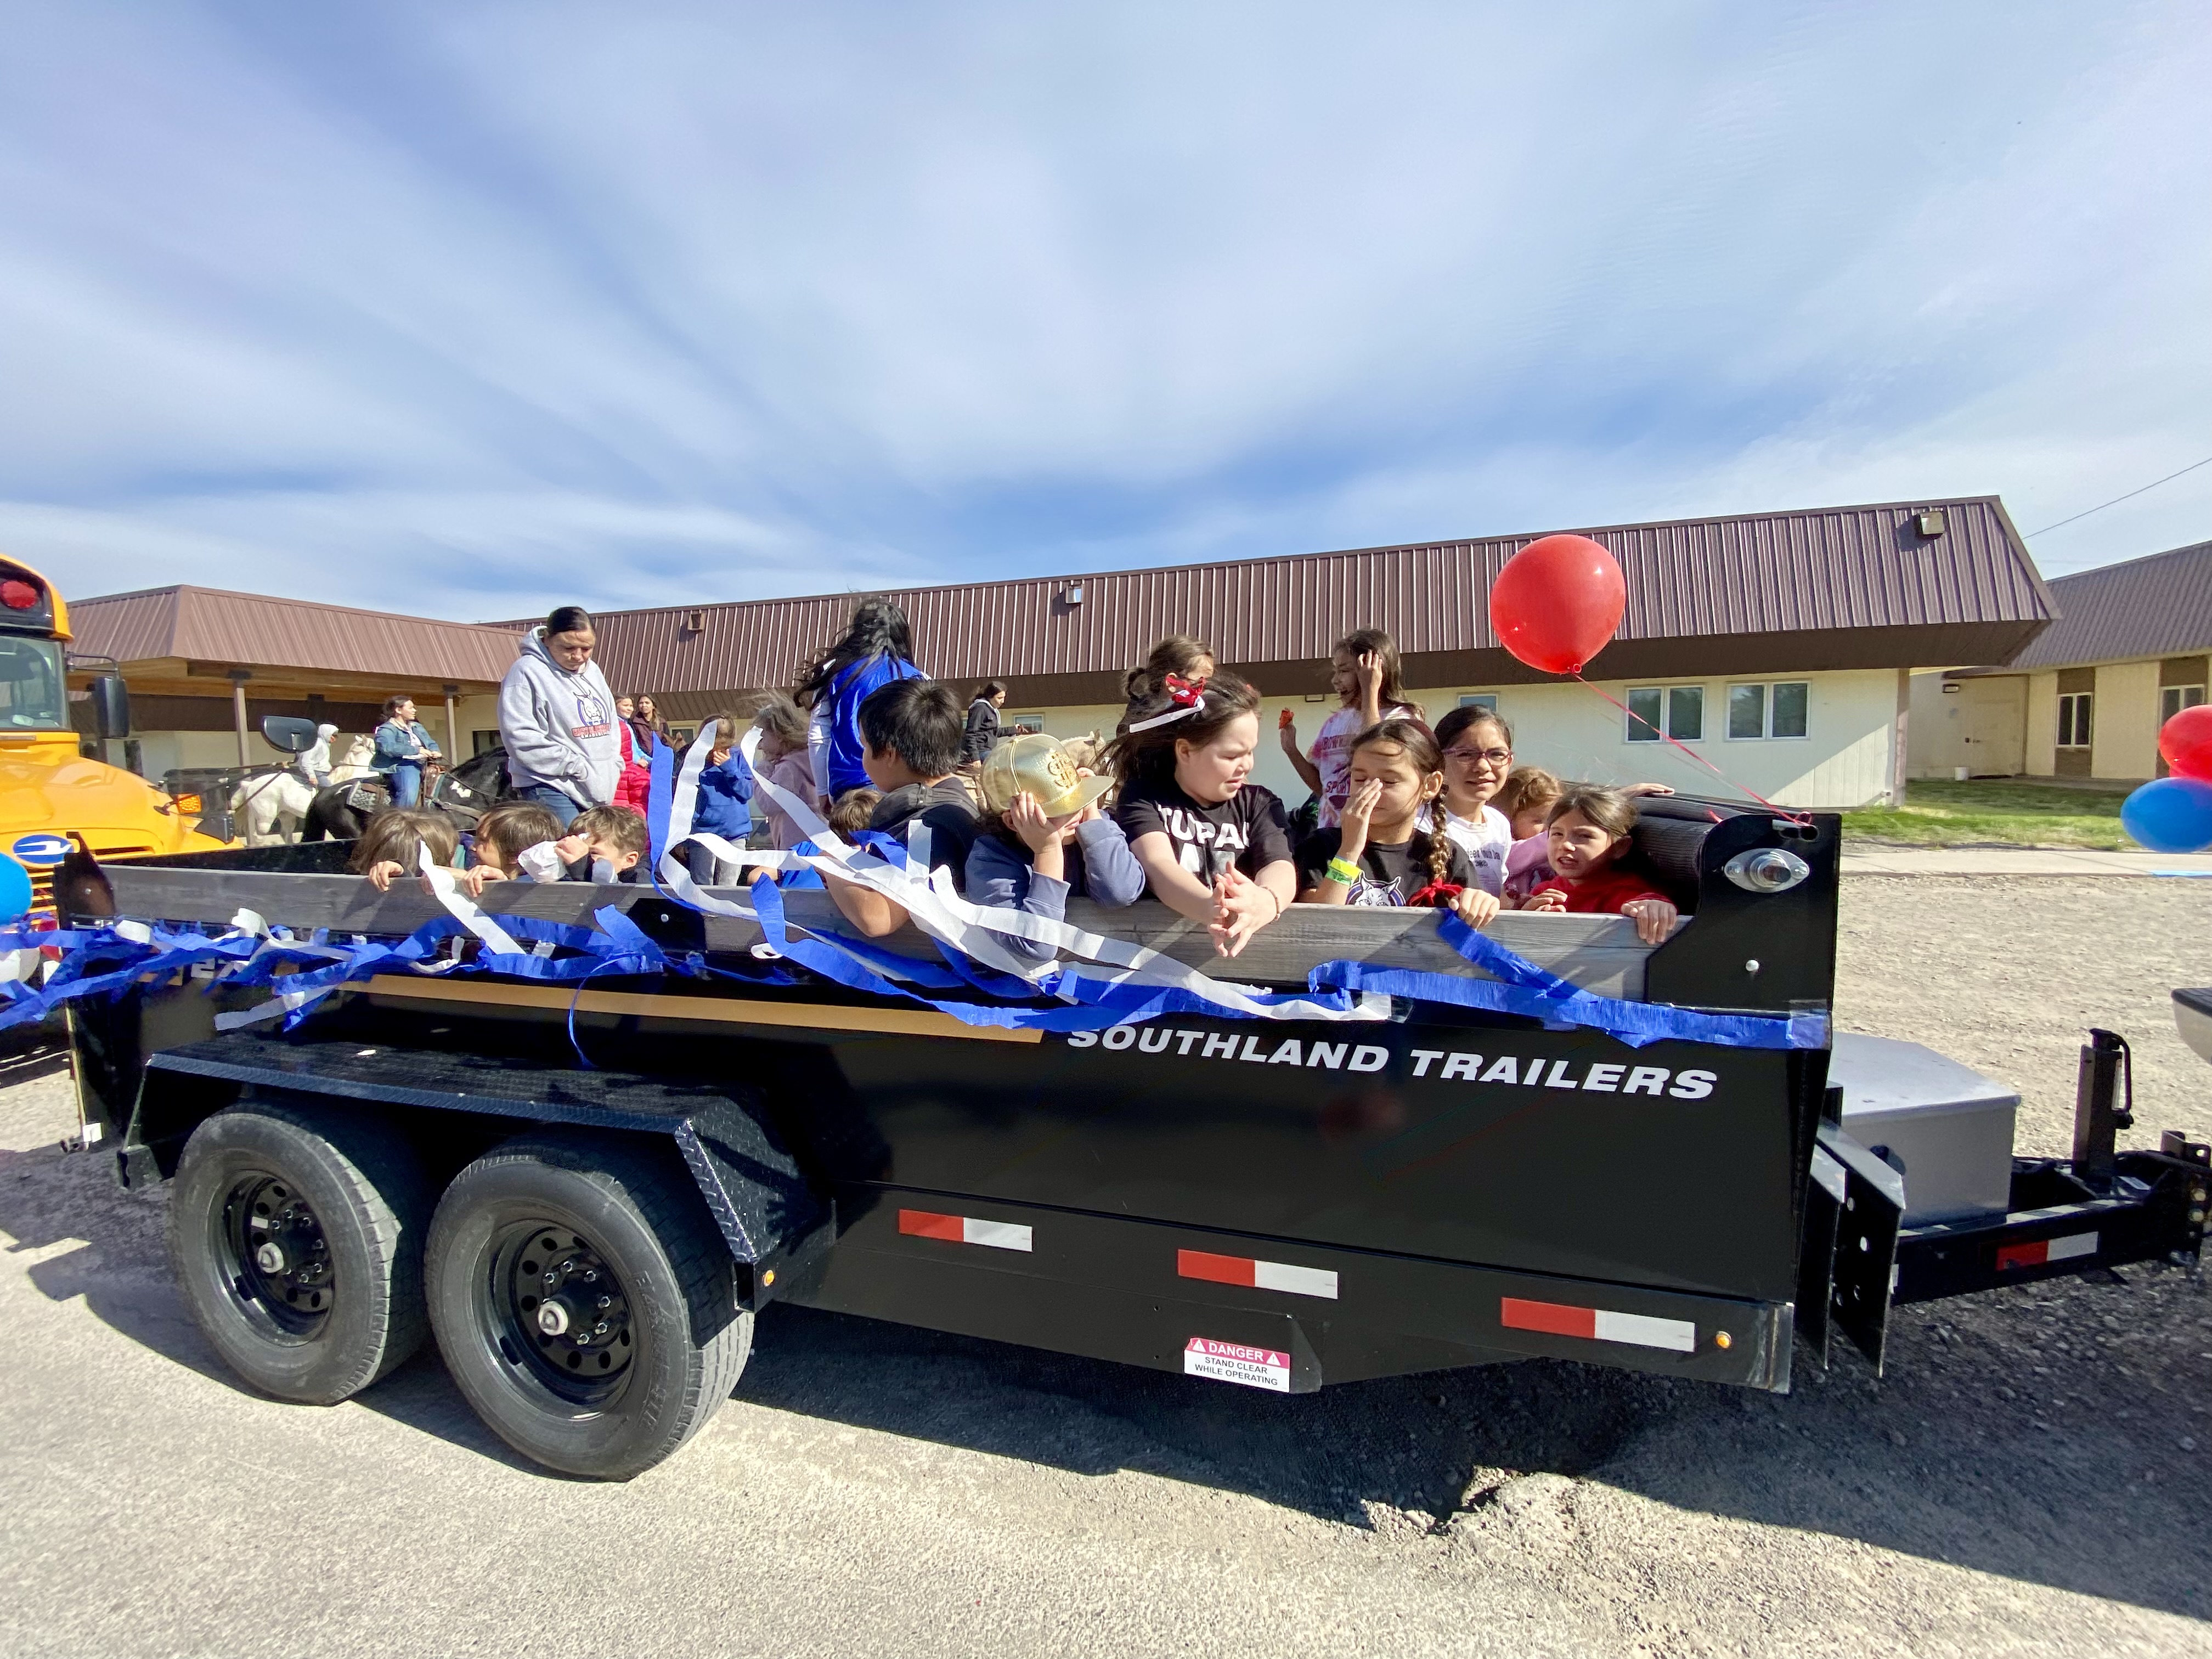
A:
(1995, 718)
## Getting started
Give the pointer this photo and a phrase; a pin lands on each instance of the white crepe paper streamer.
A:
(464, 910)
(931, 900)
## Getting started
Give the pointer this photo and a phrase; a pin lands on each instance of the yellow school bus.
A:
(49, 791)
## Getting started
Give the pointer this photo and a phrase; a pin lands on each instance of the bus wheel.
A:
(297, 1238)
(583, 1301)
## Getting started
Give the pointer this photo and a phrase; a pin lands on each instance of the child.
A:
(503, 836)
(849, 816)
(876, 650)
(1478, 754)
(910, 733)
(633, 786)
(1179, 655)
(1589, 830)
(1379, 854)
(1364, 674)
(723, 805)
(1050, 843)
(603, 845)
(1526, 800)
(780, 758)
(391, 844)
(849, 813)
(1215, 848)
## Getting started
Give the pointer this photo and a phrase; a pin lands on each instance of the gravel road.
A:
(2030, 1478)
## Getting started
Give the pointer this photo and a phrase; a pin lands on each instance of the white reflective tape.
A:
(1299, 1281)
(999, 1235)
(2077, 1244)
(1646, 1331)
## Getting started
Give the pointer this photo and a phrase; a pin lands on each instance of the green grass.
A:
(1995, 810)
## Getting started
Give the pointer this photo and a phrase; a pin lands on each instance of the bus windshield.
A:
(33, 696)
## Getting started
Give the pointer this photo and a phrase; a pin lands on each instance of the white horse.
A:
(271, 808)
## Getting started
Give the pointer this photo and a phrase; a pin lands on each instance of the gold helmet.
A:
(1038, 765)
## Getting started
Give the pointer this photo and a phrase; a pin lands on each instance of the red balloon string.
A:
(1791, 813)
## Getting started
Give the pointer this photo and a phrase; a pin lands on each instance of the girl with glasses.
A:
(1478, 757)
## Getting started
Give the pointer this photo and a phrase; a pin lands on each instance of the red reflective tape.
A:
(1217, 1269)
(2038, 1252)
(1555, 1318)
(923, 1224)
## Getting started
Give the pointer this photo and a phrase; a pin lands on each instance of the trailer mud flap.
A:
(1866, 1244)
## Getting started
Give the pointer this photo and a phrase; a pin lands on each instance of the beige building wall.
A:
(1847, 759)
(1979, 724)
(2123, 735)
(2042, 761)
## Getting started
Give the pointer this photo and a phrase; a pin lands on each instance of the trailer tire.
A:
(582, 1298)
(344, 1206)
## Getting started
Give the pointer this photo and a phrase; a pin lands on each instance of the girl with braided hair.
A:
(1379, 853)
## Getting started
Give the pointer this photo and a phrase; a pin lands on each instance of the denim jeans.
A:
(406, 784)
(555, 801)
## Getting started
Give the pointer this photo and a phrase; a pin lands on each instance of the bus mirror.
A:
(288, 733)
(111, 707)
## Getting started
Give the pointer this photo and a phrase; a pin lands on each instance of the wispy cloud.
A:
(463, 310)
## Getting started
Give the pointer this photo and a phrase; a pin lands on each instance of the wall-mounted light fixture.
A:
(1928, 521)
(695, 622)
(1949, 686)
(1071, 595)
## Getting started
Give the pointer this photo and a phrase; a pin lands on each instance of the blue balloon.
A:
(2173, 815)
(15, 891)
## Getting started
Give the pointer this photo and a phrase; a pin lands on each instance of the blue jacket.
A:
(391, 748)
(724, 807)
(1100, 868)
(844, 696)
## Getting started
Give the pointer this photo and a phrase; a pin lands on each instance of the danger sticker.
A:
(1233, 1361)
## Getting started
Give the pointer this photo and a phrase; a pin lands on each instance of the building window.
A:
(2172, 699)
(1480, 700)
(1778, 709)
(1678, 710)
(1017, 725)
(2074, 720)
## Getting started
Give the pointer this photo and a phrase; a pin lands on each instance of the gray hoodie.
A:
(559, 727)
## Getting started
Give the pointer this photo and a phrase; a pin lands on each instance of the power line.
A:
(2117, 500)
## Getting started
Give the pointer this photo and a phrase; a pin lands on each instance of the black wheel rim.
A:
(557, 1314)
(275, 1257)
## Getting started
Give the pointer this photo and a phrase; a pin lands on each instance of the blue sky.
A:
(464, 309)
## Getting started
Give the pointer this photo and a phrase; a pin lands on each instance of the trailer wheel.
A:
(582, 1299)
(297, 1238)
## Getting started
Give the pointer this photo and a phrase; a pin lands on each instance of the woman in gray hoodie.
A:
(556, 717)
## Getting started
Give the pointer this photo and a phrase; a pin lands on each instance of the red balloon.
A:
(2186, 742)
(1558, 603)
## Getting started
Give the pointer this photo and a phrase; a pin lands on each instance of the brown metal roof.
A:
(1840, 588)
(252, 631)
(2157, 606)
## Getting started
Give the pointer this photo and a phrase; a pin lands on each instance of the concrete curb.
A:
(2022, 862)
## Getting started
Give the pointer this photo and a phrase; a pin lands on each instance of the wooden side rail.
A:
(1598, 953)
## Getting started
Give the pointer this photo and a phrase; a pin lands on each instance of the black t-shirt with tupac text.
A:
(1248, 831)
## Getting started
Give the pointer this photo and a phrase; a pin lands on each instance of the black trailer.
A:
(587, 1190)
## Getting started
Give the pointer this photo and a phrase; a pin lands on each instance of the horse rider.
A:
(404, 751)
